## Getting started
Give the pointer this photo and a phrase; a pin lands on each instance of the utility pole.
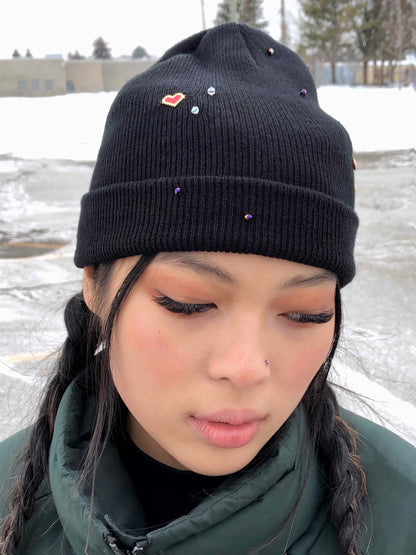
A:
(233, 10)
(283, 37)
(204, 25)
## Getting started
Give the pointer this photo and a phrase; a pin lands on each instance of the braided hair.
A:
(84, 333)
(335, 443)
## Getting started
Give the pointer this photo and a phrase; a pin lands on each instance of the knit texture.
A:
(257, 146)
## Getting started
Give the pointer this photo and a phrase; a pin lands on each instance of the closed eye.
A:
(182, 308)
(305, 318)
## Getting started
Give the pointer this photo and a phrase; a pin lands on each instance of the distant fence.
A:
(352, 73)
(345, 74)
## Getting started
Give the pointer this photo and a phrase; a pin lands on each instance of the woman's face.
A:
(189, 349)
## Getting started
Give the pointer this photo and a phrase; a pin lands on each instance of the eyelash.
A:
(189, 309)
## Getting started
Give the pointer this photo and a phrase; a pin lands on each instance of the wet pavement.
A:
(39, 207)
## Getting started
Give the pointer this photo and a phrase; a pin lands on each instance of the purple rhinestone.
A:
(177, 190)
(303, 92)
(248, 216)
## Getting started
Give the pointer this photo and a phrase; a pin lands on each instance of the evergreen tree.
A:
(224, 12)
(251, 12)
(16, 54)
(370, 33)
(101, 50)
(326, 25)
(139, 52)
(28, 54)
(75, 56)
(246, 11)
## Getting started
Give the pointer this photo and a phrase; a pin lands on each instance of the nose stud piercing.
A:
(267, 362)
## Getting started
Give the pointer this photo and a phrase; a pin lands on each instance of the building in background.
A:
(54, 76)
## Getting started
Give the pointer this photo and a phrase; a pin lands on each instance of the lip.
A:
(228, 428)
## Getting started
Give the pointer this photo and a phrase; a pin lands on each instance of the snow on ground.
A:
(376, 118)
(67, 127)
(70, 126)
(364, 396)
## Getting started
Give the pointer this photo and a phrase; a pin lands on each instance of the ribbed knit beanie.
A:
(221, 146)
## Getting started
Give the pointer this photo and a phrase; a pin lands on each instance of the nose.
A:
(240, 359)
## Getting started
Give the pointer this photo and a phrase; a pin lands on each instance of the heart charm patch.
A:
(173, 99)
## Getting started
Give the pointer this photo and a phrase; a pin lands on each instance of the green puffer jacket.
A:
(244, 513)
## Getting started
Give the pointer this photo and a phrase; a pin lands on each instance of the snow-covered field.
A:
(70, 127)
(376, 118)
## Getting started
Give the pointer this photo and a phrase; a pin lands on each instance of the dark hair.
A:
(330, 435)
(336, 445)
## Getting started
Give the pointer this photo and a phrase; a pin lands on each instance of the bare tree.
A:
(399, 24)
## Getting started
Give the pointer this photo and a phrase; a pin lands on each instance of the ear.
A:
(88, 288)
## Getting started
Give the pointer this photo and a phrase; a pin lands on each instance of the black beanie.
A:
(221, 146)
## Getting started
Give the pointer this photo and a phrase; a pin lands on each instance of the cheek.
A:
(143, 352)
(305, 359)
(308, 361)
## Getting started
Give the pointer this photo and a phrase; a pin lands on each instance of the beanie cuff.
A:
(209, 214)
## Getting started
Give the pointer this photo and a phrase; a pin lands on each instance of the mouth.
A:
(228, 429)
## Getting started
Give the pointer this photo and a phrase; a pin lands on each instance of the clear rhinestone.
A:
(195, 110)
(211, 91)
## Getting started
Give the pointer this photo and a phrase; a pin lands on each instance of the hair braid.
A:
(34, 458)
(346, 477)
(84, 333)
(336, 445)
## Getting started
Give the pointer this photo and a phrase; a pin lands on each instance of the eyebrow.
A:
(198, 265)
(321, 277)
(209, 269)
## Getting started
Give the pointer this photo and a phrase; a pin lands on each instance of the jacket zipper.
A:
(140, 546)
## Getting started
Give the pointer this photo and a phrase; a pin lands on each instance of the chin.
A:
(220, 464)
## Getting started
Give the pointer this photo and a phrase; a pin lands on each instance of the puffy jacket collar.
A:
(247, 510)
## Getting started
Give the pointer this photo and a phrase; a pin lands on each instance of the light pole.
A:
(233, 10)
(204, 26)
(283, 39)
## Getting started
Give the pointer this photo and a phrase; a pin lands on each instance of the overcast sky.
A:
(54, 27)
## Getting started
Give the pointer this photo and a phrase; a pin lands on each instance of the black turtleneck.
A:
(165, 493)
